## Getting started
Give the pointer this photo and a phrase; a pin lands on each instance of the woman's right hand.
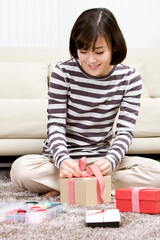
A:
(70, 168)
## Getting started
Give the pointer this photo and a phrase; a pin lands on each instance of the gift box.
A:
(83, 191)
(88, 190)
(101, 218)
(140, 200)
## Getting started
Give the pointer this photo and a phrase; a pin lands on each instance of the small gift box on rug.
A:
(140, 200)
(88, 190)
(107, 218)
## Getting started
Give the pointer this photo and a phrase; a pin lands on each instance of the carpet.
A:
(71, 225)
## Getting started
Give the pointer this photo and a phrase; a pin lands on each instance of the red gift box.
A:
(141, 200)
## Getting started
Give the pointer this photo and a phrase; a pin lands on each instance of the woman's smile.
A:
(94, 67)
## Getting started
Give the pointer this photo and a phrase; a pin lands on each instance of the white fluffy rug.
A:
(71, 225)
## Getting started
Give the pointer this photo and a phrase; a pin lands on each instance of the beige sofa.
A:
(24, 77)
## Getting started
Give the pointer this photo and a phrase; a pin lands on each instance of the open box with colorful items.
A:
(30, 212)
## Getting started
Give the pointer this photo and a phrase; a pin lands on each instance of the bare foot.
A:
(52, 193)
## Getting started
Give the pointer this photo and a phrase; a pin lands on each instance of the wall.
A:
(47, 23)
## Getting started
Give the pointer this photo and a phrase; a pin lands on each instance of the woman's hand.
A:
(104, 165)
(69, 169)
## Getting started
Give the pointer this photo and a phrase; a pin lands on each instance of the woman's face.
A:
(96, 62)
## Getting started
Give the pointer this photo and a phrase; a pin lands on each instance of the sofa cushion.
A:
(23, 80)
(19, 147)
(23, 118)
(148, 121)
(152, 73)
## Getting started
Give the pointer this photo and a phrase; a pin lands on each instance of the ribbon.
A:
(135, 198)
(102, 211)
(71, 191)
(100, 182)
(82, 163)
(98, 175)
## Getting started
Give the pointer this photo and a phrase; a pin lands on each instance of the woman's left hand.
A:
(104, 165)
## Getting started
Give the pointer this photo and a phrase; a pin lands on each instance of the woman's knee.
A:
(22, 170)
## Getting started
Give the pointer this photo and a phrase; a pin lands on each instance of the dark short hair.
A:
(92, 23)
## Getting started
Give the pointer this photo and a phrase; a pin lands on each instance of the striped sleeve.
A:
(57, 108)
(129, 109)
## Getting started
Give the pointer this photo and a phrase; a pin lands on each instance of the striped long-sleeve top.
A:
(82, 110)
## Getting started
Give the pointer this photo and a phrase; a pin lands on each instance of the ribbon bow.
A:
(98, 175)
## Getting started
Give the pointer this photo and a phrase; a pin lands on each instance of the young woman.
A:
(85, 94)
